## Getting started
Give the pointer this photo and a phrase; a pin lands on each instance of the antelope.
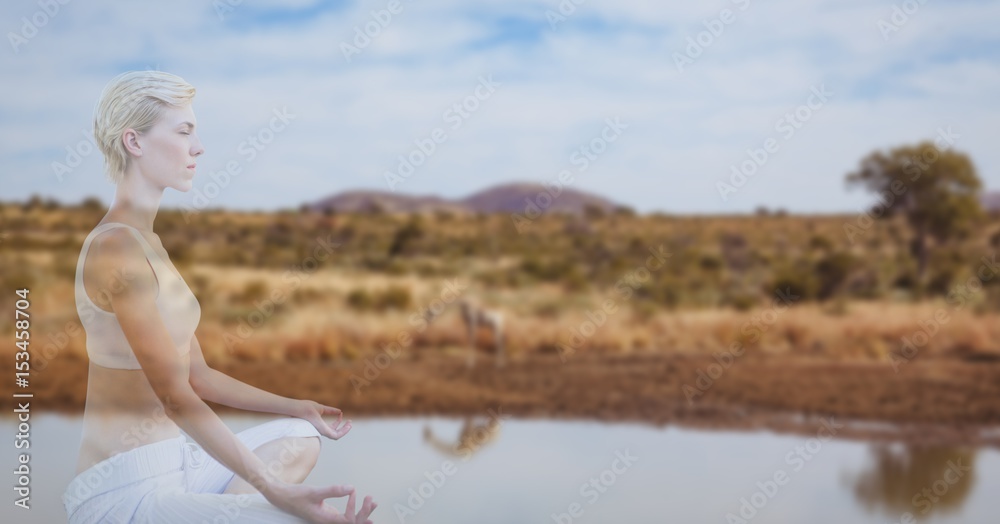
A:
(474, 314)
(474, 435)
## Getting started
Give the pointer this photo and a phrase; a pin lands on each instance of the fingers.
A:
(367, 507)
(341, 431)
(349, 512)
(330, 410)
(328, 431)
(337, 491)
(334, 434)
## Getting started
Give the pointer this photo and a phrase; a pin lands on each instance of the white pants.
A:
(175, 481)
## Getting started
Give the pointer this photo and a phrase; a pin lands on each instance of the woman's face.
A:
(169, 149)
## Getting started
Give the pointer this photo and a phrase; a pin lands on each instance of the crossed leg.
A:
(289, 448)
(290, 458)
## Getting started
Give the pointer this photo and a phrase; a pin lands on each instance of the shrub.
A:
(253, 290)
(359, 299)
(394, 297)
(797, 280)
(831, 272)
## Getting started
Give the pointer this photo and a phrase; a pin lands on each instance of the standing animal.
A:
(475, 314)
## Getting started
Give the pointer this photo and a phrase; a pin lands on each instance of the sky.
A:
(650, 104)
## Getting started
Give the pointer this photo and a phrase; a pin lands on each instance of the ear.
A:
(130, 139)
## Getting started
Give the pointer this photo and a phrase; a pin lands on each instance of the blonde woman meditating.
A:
(148, 379)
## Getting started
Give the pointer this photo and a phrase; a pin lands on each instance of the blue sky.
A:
(557, 79)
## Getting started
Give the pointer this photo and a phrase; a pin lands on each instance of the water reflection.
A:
(680, 475)
(917, 480)
(475, 434)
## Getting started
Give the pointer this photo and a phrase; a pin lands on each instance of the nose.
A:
(196, 148)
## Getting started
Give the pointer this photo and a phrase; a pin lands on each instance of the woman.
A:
(148, 378)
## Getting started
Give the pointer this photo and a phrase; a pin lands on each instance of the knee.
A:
(301, 453)
(312, 446)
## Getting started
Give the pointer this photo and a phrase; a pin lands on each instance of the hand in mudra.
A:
(308, 503)
(314, 413)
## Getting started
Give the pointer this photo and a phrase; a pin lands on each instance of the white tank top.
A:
(179, 309)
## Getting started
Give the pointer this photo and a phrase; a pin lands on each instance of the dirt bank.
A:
(933, 400)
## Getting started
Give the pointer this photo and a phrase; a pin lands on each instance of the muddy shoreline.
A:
(929, 401)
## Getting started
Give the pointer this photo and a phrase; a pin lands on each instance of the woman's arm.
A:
(168, 374)
(216, 386)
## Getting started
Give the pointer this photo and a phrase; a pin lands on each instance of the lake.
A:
(528, 471)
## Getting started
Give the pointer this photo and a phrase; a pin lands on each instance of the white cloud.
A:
(607, 59)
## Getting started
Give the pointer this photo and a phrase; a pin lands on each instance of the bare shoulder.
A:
(117, 260)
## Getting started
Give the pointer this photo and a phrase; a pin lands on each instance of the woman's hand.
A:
(307, 502)
(314, 413)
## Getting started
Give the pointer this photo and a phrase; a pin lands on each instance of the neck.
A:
(136, 202)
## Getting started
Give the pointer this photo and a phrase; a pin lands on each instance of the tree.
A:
(935, 189)
(406, 236)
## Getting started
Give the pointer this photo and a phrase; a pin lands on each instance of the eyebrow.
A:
(188, 124)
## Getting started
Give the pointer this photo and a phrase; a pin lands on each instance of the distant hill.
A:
(503, 198)
(367, 201)
(990, 200)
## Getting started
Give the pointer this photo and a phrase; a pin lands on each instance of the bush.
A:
(820, 243)
(797, 280)
(394, 297)
(405, 237)
(359, 299)
(743, 302)
(253, 290)
(831, 272)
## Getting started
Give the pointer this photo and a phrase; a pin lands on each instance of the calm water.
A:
(533, 472)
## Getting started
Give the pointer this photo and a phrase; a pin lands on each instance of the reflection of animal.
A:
(473, 436)
(474, 314)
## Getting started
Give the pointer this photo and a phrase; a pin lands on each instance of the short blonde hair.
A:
(135, 100)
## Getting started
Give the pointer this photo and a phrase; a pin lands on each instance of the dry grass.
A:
(235, 263)
(538, 320)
